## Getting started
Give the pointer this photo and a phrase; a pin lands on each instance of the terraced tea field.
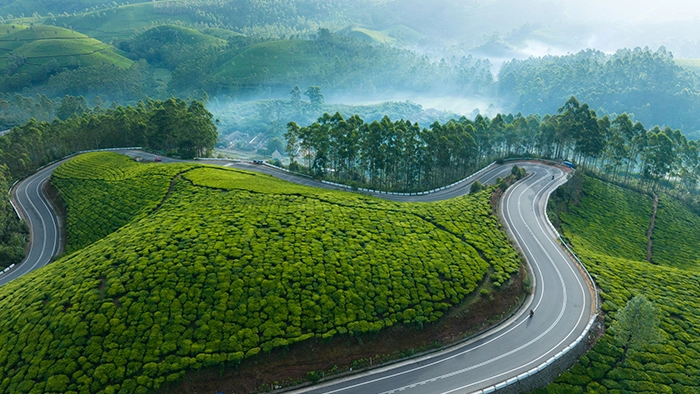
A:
(207, 266)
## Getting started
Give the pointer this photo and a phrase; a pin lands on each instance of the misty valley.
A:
(343, 196)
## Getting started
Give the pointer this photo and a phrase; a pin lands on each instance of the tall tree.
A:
(315, 96)
(295, 94)
(636, 325)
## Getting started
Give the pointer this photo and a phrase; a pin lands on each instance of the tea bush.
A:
(232, 264)
(103, 192)
(673, 364)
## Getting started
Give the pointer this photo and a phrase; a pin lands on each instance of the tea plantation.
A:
(675, 236)
(104, 192)
(207, 266)
(672, 365)
(609, 220)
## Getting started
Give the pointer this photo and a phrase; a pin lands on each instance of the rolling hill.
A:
(274, 61)
(119, 22)
(608, 232)
(208, 266)
(28, 7)
(395, 34)
(170, 34)
(39, 45)
(370, 35)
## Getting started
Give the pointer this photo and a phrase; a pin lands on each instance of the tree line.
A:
(171, 126)
(402, 156)
(646, 83)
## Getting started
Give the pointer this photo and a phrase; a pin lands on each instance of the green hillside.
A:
(169, 34)
(625, 214)
(395, 34)
(40, 45)
(119, 22)
(274, 61)
(221, 33)
(168, 47)
(675, 236)
(28, 7)
(618, 216)
(404, 34)
(216, 265)
(139, 188)
(370, 35)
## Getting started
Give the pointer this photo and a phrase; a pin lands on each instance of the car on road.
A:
(158, 160)
(257, 161)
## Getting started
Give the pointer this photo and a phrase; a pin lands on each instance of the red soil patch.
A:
(324, 357)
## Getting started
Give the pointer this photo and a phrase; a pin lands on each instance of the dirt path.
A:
(650, 232)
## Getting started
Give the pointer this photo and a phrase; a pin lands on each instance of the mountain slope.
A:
(226, 265)
(608, 236)
(43, 46)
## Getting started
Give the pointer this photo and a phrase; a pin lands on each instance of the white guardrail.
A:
(540, 367)
(567, 349)
(9, 196)
(389, 193)
(552, 359)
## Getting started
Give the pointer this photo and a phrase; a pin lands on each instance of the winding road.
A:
(561, 296)
(30, 201)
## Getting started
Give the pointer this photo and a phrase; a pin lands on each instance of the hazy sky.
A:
(632, 10)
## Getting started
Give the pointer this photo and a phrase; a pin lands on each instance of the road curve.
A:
(44, 228)
(561, 297)
(561, 300)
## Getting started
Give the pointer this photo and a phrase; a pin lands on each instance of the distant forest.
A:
(403, 156)
(641, 82)
(646, 84)
(237, 50)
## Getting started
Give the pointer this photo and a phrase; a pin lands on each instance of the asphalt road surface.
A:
(561, 299)
(44, 228)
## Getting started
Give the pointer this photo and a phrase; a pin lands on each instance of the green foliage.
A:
(26, 148)
(386, 154)
(171, 126)
(636, 325)
(476, 187)
(133, 190)
(232, 264)
(517, 172)
(342, 63)
(664, 367)
(614, 83)
(270, 117)
(675, 227)
(27, 7)
(14, 233)
(609, 220)
(168, 45)
(371, 35)
(33, 54)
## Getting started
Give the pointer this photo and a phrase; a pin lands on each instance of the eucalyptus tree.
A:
(659, 157)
